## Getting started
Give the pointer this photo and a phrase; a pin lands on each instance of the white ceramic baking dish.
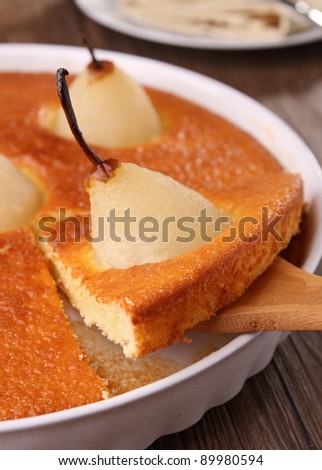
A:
(135, 419)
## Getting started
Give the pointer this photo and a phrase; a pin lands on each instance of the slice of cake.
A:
(43, 367)
(150, 306)
(140, 296)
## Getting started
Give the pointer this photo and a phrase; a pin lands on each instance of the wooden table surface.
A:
(281, 407)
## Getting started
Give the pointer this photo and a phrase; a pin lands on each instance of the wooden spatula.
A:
(283, 298)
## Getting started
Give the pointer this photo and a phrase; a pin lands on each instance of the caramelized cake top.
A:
(43, 367)
(197, 148)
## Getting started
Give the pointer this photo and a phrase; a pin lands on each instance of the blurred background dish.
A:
(206, 24)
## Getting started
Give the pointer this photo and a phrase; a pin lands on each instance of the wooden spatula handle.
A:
(283, 298)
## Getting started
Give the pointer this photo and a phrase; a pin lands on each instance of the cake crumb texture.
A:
(43, 367)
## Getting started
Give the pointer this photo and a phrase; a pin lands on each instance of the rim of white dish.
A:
(12, 52)
(138, 394)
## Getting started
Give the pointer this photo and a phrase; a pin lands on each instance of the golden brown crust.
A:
(197, 148)
(43, 367)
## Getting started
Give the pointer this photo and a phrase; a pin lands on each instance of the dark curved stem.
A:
(95, 63)
(66, 103)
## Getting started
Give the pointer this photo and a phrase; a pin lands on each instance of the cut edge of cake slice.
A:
(149, 307)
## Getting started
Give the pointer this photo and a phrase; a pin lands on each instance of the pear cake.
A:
(146, 306)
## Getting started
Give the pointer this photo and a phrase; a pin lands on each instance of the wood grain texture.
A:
(279, 408)
(283, 298)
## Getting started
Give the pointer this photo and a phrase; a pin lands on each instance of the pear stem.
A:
(95, 63)
(66, 103)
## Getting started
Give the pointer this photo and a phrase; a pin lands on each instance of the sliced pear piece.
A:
(141, 216)
(167, 217)
(112, 109)
(19, 198)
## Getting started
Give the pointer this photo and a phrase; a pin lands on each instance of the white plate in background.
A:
(108, 14)
(135, 419)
